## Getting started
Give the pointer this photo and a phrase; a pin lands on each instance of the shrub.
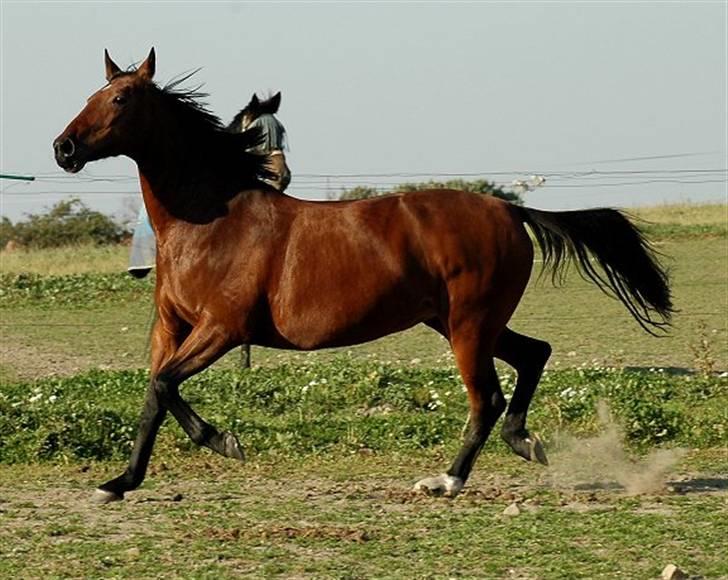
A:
(69, 222)
(481, 186)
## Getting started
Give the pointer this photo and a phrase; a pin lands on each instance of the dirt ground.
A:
(308, 518)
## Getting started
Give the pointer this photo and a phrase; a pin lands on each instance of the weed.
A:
(702, 350)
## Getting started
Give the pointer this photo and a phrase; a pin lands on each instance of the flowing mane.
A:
(188, 111)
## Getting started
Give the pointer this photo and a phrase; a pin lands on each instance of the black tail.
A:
(629, 272)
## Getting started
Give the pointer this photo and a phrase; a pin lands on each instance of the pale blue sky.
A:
(505, 89)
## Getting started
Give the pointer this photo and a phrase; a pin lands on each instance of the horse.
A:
(260, 115)
(239, 262)
(254, 109)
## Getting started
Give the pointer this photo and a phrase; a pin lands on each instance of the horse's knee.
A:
(162, 387)
(498, 404)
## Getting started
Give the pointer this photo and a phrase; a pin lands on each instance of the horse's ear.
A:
(275, 102)
(254, 102)
(146, 70)
(111, 68)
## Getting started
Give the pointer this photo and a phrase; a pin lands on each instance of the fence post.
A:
(245, 356)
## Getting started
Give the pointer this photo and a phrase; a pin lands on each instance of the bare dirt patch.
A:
(29, 361)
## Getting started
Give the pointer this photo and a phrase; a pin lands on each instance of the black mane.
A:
(190, 113)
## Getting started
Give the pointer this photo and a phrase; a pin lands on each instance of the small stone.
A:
(133, 553)
(512, 510)
(672, 572)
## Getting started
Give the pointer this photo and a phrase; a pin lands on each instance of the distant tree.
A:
(359, 192)
(481, 186)
(475, 186)
(68, 222)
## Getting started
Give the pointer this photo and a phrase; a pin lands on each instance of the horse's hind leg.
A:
(473, 343)
(528, 356)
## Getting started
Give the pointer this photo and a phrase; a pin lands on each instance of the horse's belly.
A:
(325, 324)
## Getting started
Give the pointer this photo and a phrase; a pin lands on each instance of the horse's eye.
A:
(119, 100)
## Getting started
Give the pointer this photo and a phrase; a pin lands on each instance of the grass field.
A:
(355, 517)
(336, 439)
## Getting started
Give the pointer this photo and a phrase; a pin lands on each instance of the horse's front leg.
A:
(165, 341)
(206, 343)
(203, 346)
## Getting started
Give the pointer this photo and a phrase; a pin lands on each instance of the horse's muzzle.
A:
(67, 154)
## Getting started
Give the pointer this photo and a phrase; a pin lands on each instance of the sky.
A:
(614, 103)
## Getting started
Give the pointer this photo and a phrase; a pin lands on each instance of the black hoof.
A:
(527, 446)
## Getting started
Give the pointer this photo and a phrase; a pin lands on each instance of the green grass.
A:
(684, 214)
(342, 406)
(66, 260)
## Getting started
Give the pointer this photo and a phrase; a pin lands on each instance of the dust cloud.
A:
(602, 462)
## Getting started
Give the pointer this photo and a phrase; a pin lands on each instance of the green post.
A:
(17, 177)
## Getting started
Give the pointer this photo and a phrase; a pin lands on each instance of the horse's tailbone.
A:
(628, 266)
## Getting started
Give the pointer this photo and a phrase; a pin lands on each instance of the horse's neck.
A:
(181, 182)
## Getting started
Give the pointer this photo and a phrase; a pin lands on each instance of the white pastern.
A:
(447, 485)
(101, 496)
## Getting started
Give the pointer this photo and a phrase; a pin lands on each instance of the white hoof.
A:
(447, 485)
(101, 496)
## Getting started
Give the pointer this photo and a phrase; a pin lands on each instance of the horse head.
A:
(104, 127)
(255, 108)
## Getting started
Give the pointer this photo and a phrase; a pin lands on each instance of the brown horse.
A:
(239, 262)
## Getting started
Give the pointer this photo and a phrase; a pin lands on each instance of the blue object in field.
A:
(143, 254)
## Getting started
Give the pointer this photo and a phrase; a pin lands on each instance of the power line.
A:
(51, 177)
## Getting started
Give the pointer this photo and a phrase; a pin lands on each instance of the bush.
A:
(69, 222)
(477, 186)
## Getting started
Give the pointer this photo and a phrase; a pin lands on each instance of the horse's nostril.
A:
(66, 147)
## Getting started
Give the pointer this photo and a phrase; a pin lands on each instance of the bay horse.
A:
(238, 262)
